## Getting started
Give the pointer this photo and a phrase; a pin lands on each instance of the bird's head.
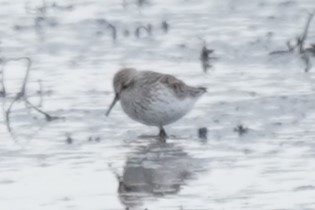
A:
(122, 80)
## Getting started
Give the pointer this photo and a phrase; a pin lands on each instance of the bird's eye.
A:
(126, 85)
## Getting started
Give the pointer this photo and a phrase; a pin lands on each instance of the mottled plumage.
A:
(153, 98)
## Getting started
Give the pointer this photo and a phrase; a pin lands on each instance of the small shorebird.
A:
(153, 98)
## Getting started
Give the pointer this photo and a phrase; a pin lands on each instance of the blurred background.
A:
(59, 151)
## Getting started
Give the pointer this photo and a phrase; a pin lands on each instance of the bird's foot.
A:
(162, 135)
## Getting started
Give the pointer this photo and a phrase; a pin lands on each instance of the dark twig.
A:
(165, 26)
(147, 29)
(7, 114)
(29, 63)
(8, 121)
(302, 39)
(299, 44)
(290, 49)
(21, 96)
(114, 31)
(206, 58)
(47, 116)
(107, 25)
(17, 98)
(241, 130)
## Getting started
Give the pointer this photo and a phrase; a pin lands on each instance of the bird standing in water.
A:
(153, 98)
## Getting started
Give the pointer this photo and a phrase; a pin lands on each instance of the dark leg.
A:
(162, 134)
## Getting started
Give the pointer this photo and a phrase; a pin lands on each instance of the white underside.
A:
(163, 109)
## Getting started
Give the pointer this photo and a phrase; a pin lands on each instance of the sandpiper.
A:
(153, 98)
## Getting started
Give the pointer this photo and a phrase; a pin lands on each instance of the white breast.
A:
(159, 108)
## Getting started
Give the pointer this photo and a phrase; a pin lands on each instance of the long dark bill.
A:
(113, 104)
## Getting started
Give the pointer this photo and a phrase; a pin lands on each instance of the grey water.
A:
(105, 164)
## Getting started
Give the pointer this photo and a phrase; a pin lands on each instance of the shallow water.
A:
(107, 165)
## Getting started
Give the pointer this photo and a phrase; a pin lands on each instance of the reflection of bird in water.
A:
(154, 170)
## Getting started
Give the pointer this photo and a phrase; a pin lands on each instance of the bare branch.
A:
(114, 31)
(29, 63)
(8, 120)
(300, 42)
(21, 96)
(47, 116)
(302, 39)
(8, 112)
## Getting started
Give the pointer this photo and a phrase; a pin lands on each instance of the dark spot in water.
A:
(126, 33)
(6, 181)
(241, 129)
(165, 26)
(95, 139)
(69, 140)
(247, 151)
(99, 33)
(286, 3)
(202, 133)
(141, 3)
(206, 58)
(278, 123)
(305, 187)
